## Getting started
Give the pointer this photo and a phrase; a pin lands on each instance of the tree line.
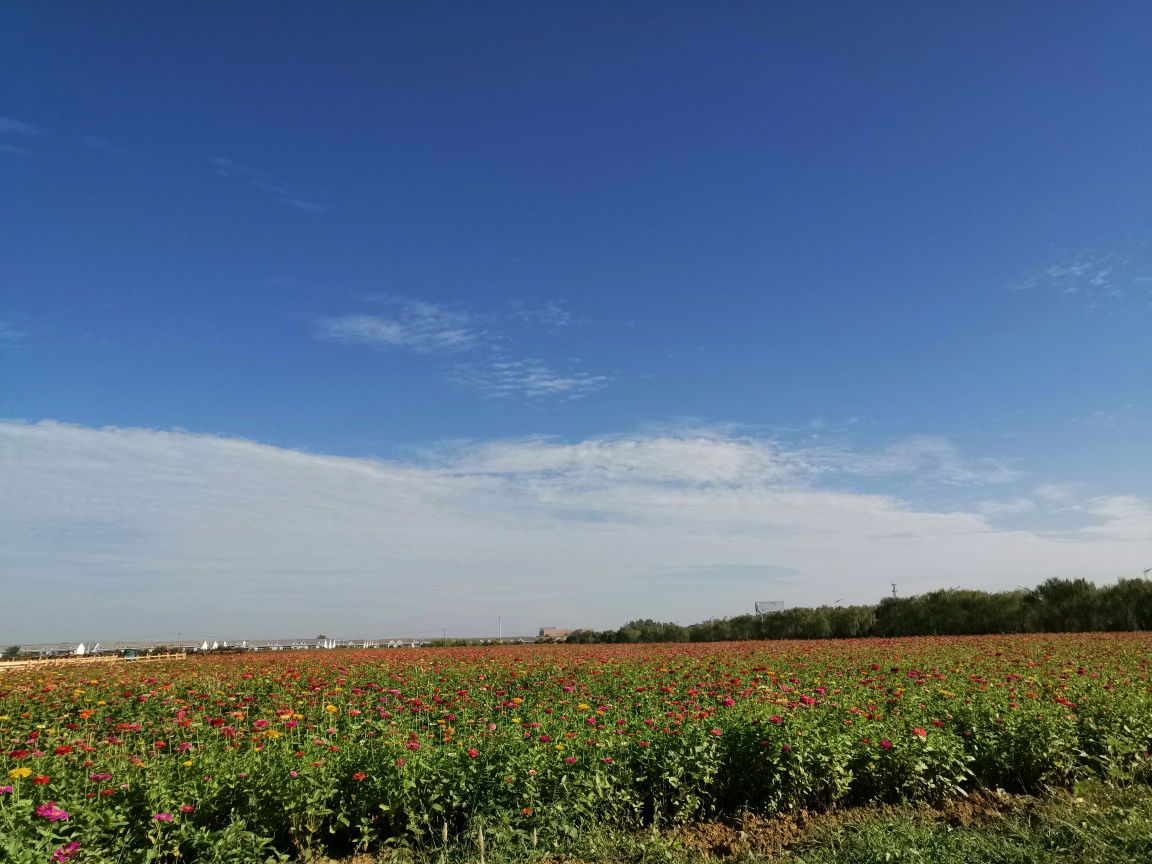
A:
(1055, 606)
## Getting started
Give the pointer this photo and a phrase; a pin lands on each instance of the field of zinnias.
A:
(236, 758)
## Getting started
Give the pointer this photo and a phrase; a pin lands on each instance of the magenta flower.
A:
(48, 810)
(886, 744)
(66, 852)
(162, 817)
(5, 790)
(98, 777)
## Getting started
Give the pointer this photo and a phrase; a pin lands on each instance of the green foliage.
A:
(1055, 606)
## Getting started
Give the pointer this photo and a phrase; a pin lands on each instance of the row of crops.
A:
(241, 758)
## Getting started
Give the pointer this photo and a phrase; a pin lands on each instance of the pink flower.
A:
(162, 817)
(5, 790)
(473, 752)
(400, 763)
(715, 732)
(569, 759)
(920, 733)
(48, 810)
(886, 744)
(66, 852)
(96, 778)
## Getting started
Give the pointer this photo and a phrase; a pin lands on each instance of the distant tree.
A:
(1125, 606)
(11, 651)
(1064, 605)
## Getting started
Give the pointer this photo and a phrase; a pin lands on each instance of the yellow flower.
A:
(331, 709)
(17, 773)
(582, 707)
(187, 763)
(271, 733)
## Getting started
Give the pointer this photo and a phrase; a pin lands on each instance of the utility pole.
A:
(500, 625)
(893, 590)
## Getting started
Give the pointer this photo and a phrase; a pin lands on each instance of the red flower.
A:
(41, 780)
(920, 733)
(359, 775)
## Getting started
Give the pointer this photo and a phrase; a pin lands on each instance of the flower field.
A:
(242, 758)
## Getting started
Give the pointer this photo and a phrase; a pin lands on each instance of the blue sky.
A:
(546, 268)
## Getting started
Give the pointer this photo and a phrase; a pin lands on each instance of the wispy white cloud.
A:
(698, 457)
(11, 126)
(10, 334)
(529, 379)
(414, 325)
(1100, 277)
(492, 370)
(552, 315)
(1121, 518)
(291, 195)
(1009, 507)
(107, 148)
(924, 456)
(134, 532)
(12, 129)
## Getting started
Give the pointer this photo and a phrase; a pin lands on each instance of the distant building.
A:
(555, 634)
